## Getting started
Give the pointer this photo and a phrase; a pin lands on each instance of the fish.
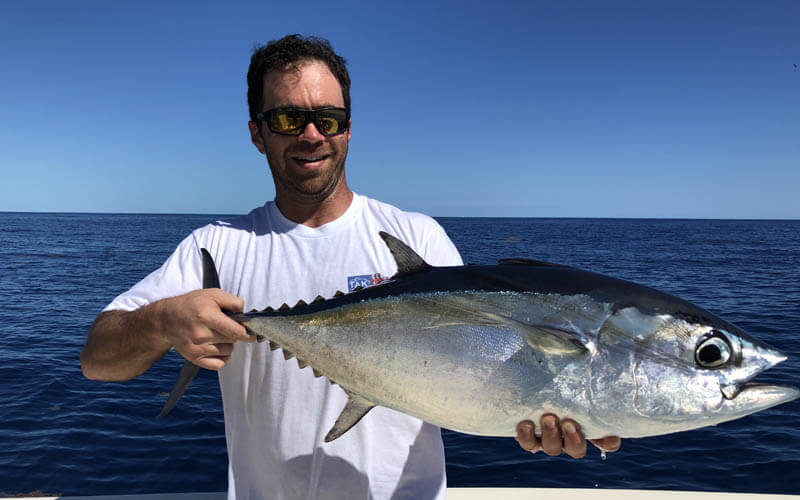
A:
(479, 348)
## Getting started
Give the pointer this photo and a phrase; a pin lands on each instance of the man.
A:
(308, 242)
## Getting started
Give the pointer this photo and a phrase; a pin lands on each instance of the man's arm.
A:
(122, 345)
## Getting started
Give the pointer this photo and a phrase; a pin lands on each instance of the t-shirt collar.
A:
(283, 224)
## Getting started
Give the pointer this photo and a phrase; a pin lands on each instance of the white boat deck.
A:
(490, 493)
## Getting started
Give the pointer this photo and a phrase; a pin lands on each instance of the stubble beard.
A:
(312, 188)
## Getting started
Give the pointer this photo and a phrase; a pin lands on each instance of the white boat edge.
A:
(487, 493)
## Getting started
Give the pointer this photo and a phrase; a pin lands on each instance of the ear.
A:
(349, 128)
(256, 138)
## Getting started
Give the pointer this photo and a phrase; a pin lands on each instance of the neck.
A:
(315, 213)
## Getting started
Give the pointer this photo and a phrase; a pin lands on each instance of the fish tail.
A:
(190, 370)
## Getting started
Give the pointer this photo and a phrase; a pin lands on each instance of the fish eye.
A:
(713, 350)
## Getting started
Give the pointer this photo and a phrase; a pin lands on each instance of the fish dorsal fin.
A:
(408, 261)
(528, 262)
(353, 411)
(210, 276)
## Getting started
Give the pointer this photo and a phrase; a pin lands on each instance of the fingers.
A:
(208, 322)
(197, 327)
(225, 300)
(526, 436)
(551, 435)
(216, 356)
(215, 326)
(574, 442)
(611, 443)
(221, 350)
(221, 323)
(556, 437)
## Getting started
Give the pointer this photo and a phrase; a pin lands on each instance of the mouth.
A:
(309, 160)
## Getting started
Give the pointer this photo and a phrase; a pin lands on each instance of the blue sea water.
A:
(60, 433)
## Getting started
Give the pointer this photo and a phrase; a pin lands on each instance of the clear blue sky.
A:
(462, 108)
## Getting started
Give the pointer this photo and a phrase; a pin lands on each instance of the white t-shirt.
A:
(276, 415)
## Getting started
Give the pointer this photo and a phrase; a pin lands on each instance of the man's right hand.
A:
(196, 326)
(124, 344)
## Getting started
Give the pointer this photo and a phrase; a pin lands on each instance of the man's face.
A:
(307, 167)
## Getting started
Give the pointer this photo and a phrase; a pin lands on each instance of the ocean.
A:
(62, 434)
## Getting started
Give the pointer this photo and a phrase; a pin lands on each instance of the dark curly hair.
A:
(282, 54)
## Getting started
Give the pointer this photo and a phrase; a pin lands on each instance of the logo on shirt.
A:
(363, 281)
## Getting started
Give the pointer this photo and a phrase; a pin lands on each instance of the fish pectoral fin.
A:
(554, 341)
(353, 411)
(547, 339)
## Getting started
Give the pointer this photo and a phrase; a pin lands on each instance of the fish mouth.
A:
(762, 357)
(757, 396)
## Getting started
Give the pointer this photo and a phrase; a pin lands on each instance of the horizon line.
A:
(221, 214)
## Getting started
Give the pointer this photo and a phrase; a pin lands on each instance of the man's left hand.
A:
(560, 436)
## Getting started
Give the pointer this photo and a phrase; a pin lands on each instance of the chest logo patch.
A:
(363, 281)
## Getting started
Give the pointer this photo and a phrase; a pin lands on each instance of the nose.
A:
(311, 133)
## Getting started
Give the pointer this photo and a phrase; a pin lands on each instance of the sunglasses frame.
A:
(310, 116)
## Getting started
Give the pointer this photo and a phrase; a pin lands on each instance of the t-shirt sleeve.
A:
(439, 250)
(180, 273)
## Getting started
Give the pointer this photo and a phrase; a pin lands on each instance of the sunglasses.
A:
(292, 121)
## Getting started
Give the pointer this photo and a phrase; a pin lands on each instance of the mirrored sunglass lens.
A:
(327, 125)
(287, 121)
(331, 121)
